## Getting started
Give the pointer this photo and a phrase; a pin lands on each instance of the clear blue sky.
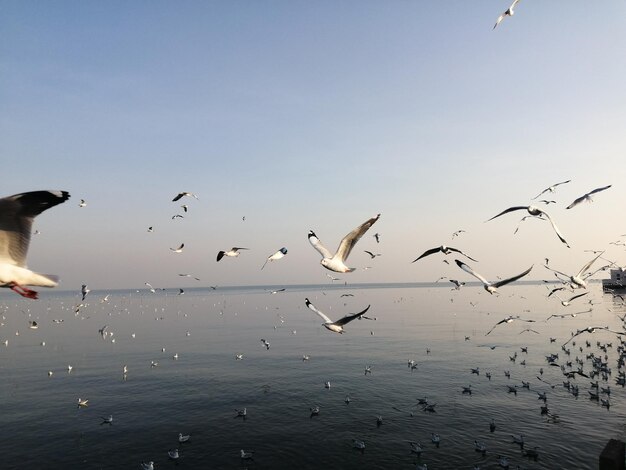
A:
(311, 115)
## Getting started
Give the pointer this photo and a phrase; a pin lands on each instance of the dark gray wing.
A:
(511, 279)
(352, 316)
(428, 253)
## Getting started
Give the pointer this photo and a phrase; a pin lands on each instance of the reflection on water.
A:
(198, 393)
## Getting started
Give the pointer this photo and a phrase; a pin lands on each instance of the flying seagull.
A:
(338, 325)
(179, 249)
(377, 237)
(278, 255)
(578, 280)
(84, 290)
(490, 286)
(592, 329)
(446, 250)
(233, 253)
(336, 262)
(508, 319)
(16, 219)
(508, 12)
(550, 189)
(533, 210)
(372, 255)
(587, 197)
(183, 194)
(82, 203)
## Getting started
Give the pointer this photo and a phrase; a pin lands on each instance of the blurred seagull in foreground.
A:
(338, 325)
(336, 262)
(508, 12)
(232, 253)
(17, 213)
(278, 255)
(535, 211)
(490, 287)
(587, 197)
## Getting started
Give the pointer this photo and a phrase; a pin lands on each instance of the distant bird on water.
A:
(336, 262)
(16, 219)
(338, 325)
(278, 255)
(490, 287)
(587, 197)
(508, 12)
(232, 253)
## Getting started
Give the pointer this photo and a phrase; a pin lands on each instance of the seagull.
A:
(16, 219)
(372, 255)
(150, 287)
(592, 329)
(150, 229)
(185, 207)
(243, 412)
(566, 303)
(458, 284)
(550, 189)
(338, 325)
(578, 280)
(508, 319)
(587, 197)
(246, 455)
(147, 466)
(173, 454)
(189, 275)
(183, 194)
(490, 287)
(33, 325)
(535, 211)
(278, 255)
(84, 290)
(416, 448)
(233, 253)
(265, 343)
(179, 249)
(377, 237)
(82, 203)
(182, 438)
(336, 262)
(457, 233)
(446, 250)
(82, 402)
(523, 219)
(108, 420)
(508, 12)
(177, 216)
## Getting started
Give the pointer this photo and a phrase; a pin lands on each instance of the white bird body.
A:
(232, 253)
(278, 255)
(509, 12)
(147, 466)
(17, 213)
(337, 326)
(173, 454)
(336, 262)
(182, 438)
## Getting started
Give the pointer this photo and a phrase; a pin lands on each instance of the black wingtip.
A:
(220, 255)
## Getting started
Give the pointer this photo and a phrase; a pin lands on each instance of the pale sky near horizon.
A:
(312, 115)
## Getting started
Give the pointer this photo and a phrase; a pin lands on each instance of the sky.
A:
(311, 115)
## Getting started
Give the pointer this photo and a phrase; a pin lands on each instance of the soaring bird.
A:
(550, 189)
(278, 255)
(338, 325)
(184, 193)
(446, 250)
(533, 210)
(490, 287)
(508, 12)
(587, 196)
(233, 253)
(336, 262)
(16, 219)
(179, 249)
(579, 279)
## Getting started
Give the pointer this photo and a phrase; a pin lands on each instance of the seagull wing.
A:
(427, 253)
(350, 317)
(348, 242)
(511, 279)
(576, 202)
(576, 296)
(588, 265)
(459, 251)
(542, 192)
(556, 229)
(312, 307)
(597, 190)
(510, 209)
(500, 18)
(317, 244)
(469, 270)
(370, 253)
(220, 255)
(178, 196)
(16, 219)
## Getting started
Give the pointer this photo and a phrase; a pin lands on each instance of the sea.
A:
(184, 376)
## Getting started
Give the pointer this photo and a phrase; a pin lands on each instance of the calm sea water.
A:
(197, 394)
